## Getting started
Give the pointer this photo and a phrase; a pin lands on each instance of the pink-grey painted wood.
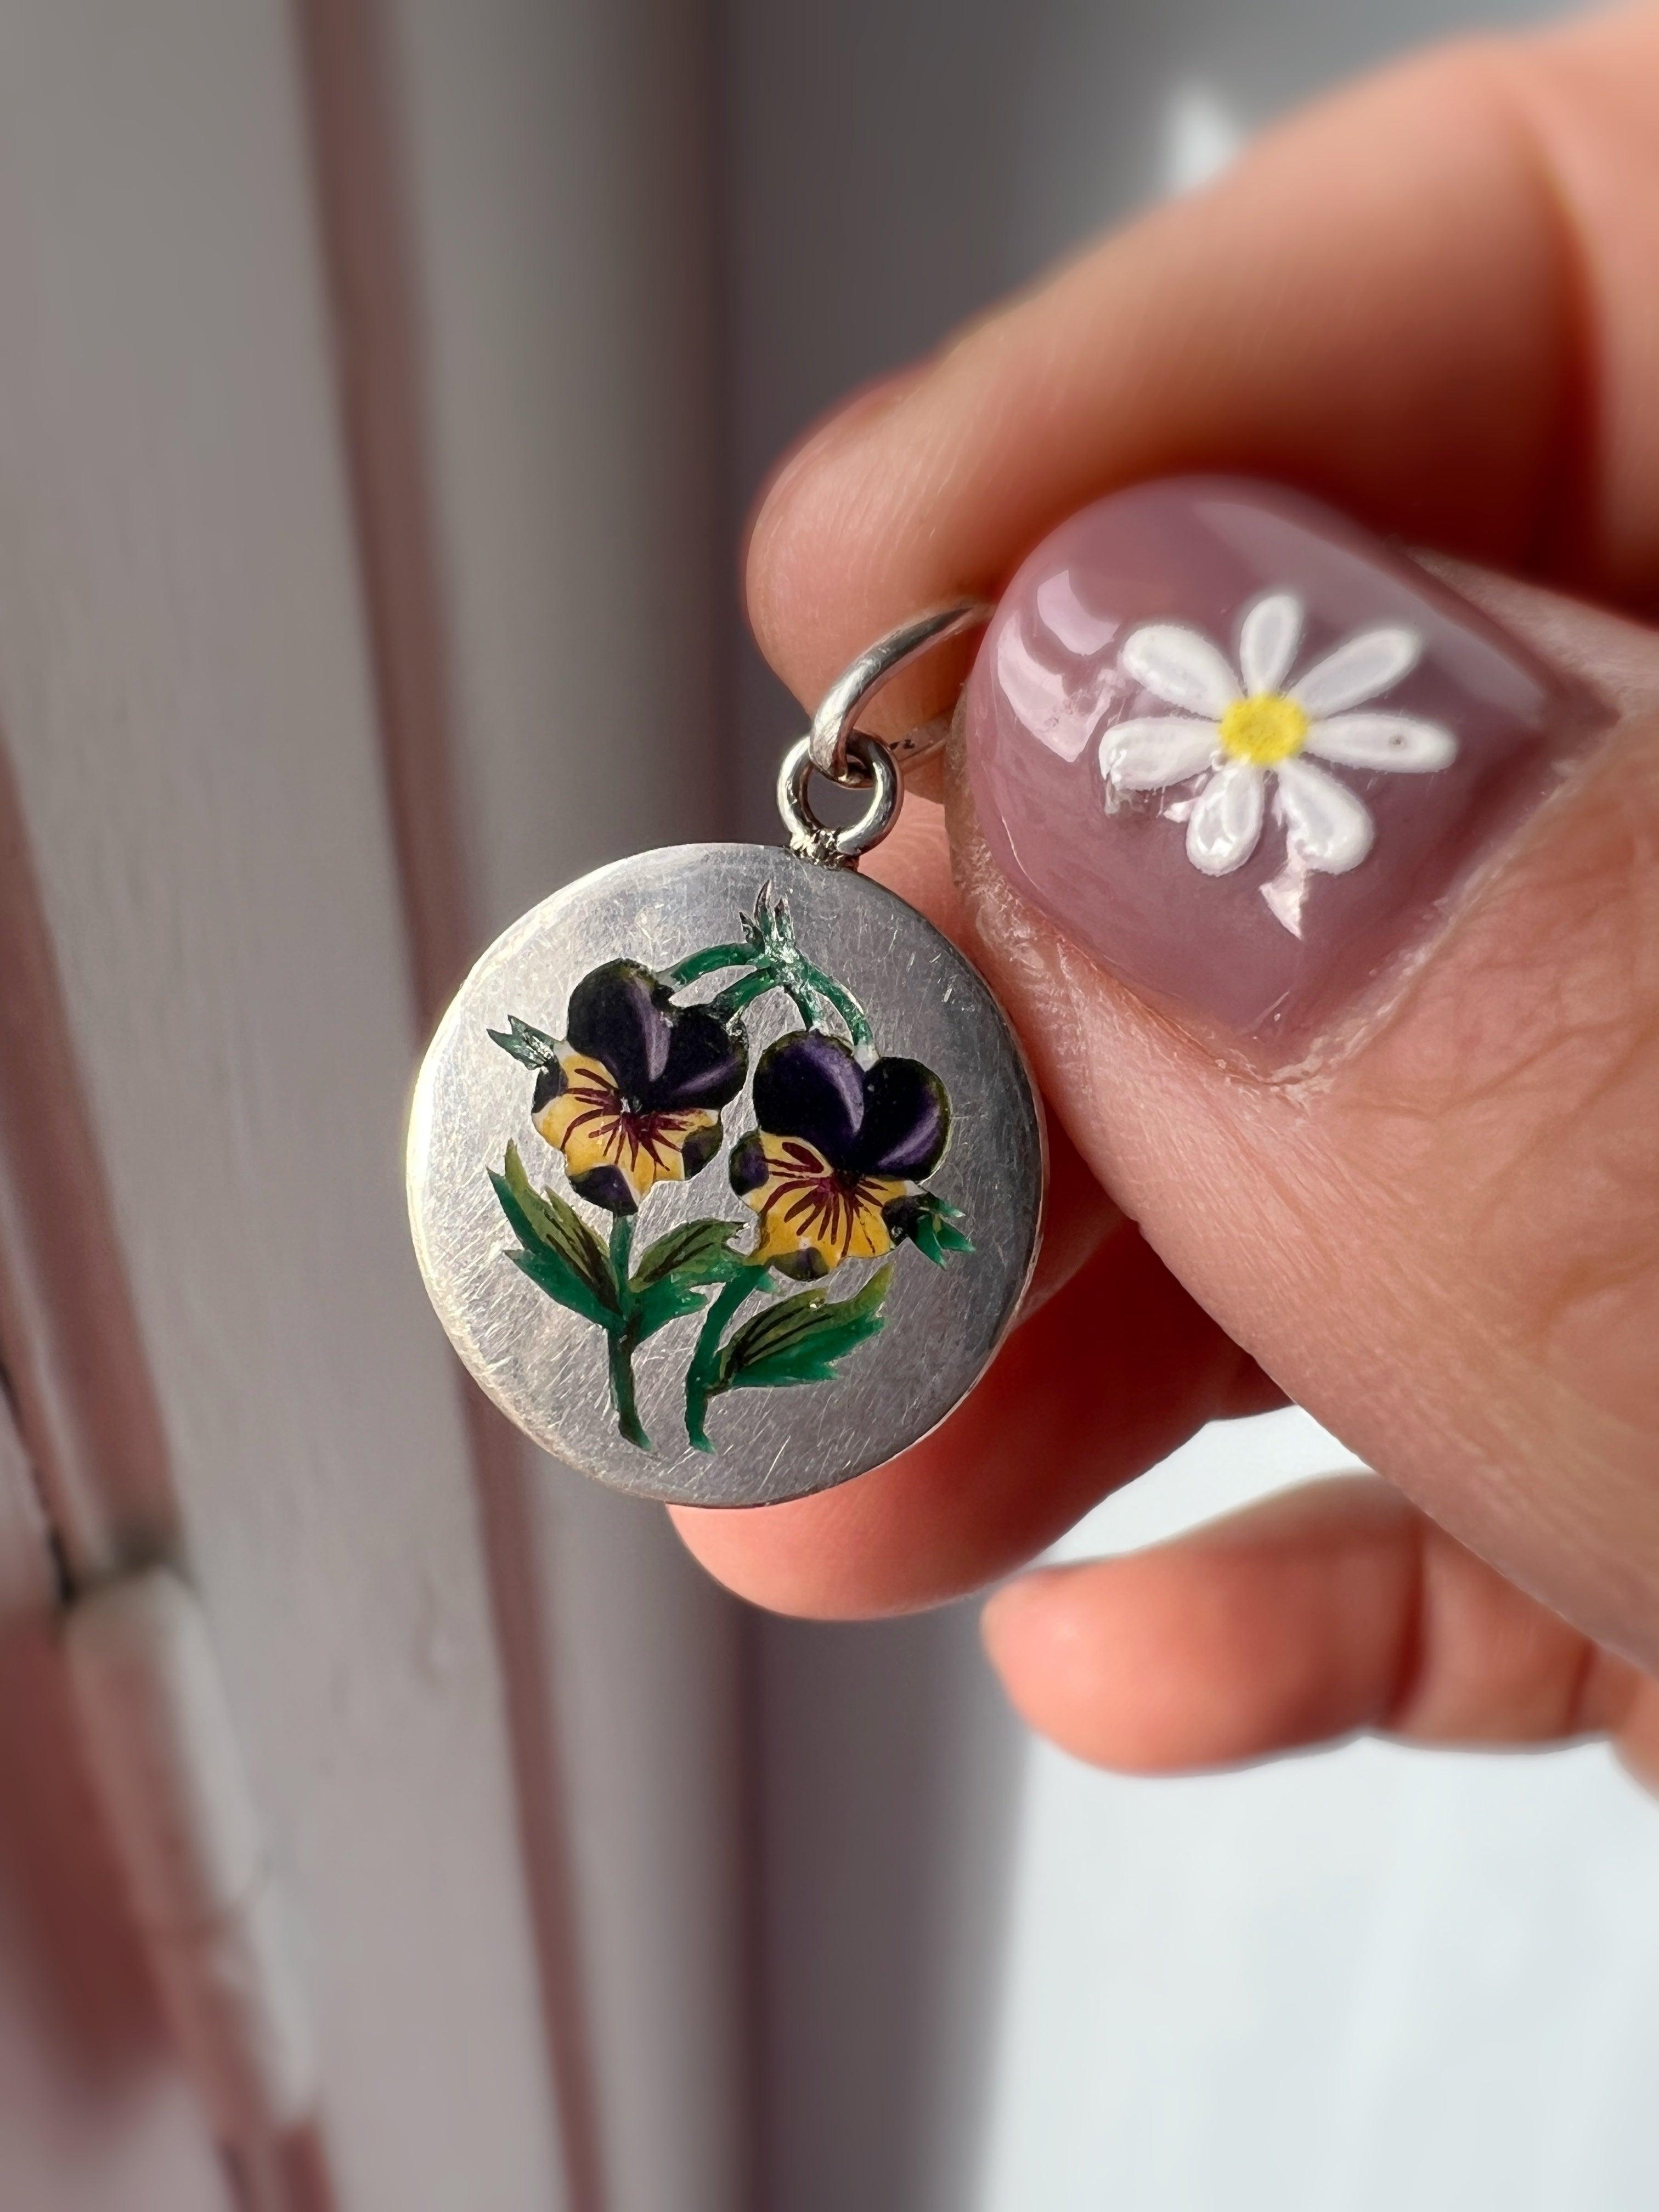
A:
(183, 688)
(564, 211)
(96, 2115)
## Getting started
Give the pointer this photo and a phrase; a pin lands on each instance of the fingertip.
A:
(1636, 1737)
(790, 543)
(914, 860)
(1016, 1613)
(1272, 1629)
(1089, 1657)
(807, 1559)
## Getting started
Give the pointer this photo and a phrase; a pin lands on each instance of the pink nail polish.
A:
(1244, 754)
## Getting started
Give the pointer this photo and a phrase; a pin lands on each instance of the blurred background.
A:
(383, 384)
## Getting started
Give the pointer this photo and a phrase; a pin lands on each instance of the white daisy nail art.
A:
(1239, 729)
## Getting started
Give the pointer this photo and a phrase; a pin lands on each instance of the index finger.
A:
(1425, 299)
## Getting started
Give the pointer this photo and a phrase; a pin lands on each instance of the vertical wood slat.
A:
(352, 106)
(184, 687)
(86, 1501)
(188, 672)
(563, 217)
(91, 1453)
(361, 191)
(74, 1362)
(96, 2115)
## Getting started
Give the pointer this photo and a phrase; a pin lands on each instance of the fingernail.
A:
(1247, 756)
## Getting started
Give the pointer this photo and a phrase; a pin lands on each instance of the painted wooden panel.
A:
(183, 688)
(95, 2113)
(560, 174)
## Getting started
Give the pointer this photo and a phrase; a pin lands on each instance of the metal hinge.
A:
(166, 1767)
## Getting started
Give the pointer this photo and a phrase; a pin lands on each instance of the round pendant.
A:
(723, 1173)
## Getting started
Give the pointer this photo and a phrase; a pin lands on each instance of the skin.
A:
(1447, 1245)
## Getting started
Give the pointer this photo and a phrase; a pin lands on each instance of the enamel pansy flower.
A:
(1238, 730)
(835, 1168)
(632, 1094)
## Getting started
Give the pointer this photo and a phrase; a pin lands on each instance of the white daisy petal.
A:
(1399, 742)
(1267, 640)
(1155, 751)
(1226, 821)
(1286, 894)
(1041, 699)
(1326, 827)
(1064, 617)
(1179, 664)
(1361, 668)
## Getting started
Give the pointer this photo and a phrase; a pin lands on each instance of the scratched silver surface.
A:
(546, 1367)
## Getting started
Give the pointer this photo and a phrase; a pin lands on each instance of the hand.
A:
(1430, 303)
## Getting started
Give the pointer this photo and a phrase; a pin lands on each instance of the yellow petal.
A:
(868, 1238)
(805, 1207)
(588, 1124)
(660, 1140)
(583, 1122)
(792, 1166)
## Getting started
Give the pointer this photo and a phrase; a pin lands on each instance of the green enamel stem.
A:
(620, 1342)
(806, 1005)
(744, 993)
(703, 1376)
(857, 1021)
(622, 1247)
(707, 962)
(806, 985)
(620, 1351)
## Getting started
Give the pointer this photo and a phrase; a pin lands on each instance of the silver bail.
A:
(835, 721)
(838, 750)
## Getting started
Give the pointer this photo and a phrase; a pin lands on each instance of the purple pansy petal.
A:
(607, 1187)
(620, 1015)
(906, 1119)
(748, 1164)
(549, 1083)
(902, 1215)
(699, 1148)
(706, 1064)
(806, 1265)
(811, 1087)
(663, 1058)
(891, 1118)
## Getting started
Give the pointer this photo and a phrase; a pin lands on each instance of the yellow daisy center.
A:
(1264, 729)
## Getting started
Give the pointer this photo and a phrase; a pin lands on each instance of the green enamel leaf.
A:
(563, 1286)
(675, 1272)
(697, 1252)
(800, 1338)
(533, 1047)
(936, 1234)
(667, 1299)
(548, 1224)
(555, 1223)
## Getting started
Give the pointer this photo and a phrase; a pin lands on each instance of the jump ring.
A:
(822, 842)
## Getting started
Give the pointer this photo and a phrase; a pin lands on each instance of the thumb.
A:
(1327, 900)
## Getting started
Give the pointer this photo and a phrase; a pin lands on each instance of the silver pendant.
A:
(725, 1167)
